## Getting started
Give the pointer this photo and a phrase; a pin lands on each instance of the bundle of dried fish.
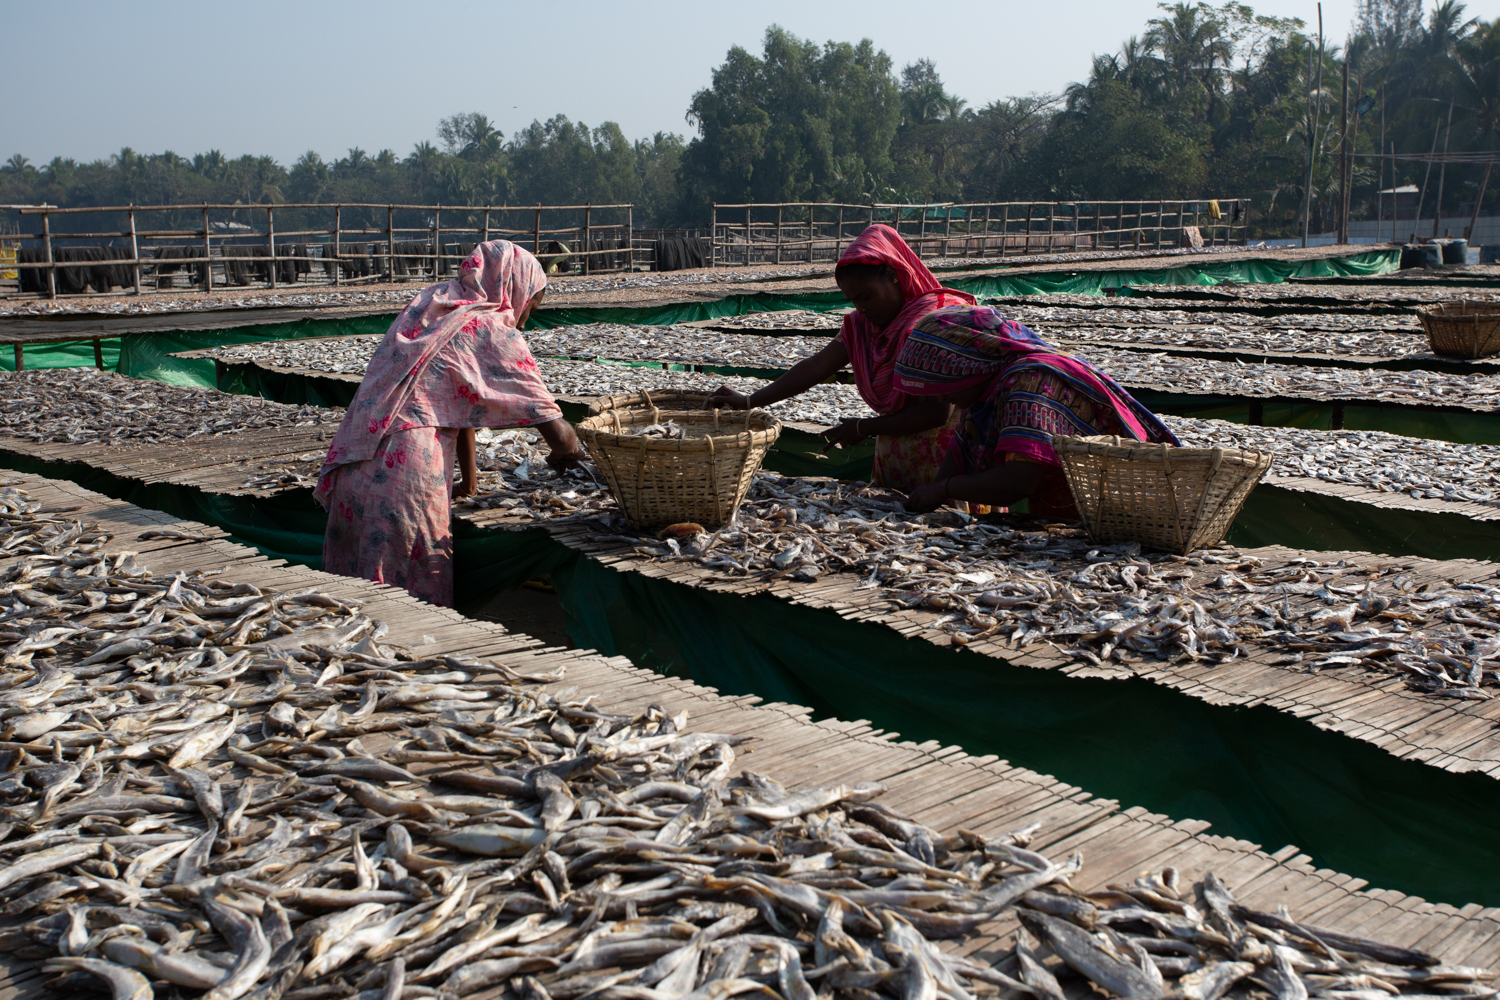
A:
(1008, 582)
(217, 789)
(86, 406)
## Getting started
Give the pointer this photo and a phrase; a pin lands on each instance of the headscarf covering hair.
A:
(956, 348)
(873, 350)
(453, 358)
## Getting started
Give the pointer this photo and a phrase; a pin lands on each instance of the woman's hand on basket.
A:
(725, 396)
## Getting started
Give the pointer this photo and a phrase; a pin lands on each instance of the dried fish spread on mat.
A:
(217, 791)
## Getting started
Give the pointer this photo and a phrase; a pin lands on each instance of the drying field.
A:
(231, 777)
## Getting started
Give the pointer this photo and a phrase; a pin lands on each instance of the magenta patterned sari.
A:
(453, 358)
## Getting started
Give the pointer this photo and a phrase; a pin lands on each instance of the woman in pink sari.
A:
(890, 289)
(452, 361)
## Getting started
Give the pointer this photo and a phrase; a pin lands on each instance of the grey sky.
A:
(282, 77)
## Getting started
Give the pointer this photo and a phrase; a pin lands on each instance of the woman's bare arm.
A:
(1000, 486)
(799, 378)
(921, 413)
(563, 441)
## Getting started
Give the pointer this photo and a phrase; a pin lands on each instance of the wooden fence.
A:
(806, 232)
(217, 252)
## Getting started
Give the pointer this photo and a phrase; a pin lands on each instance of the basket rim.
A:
(643, 398)
(1461, 309)
(1114, 446)
(599, 426)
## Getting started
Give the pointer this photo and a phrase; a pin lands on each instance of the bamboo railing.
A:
(793, 232)
(385, 248)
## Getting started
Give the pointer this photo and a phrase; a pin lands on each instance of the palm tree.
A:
(17, 164)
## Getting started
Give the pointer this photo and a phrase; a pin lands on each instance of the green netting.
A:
(1254, 773)
(61, 354)
(147, 355)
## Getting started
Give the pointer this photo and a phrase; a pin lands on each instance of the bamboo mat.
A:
(1455, 735)
(941, 786)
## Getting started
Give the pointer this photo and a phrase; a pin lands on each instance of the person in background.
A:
(1012, 391)
(452, 361)
(890, 289)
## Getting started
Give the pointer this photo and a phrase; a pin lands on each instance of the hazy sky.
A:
(281, 77)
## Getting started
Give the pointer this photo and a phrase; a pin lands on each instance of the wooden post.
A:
(1474, 218)
(51, 270)
(98, 354)
(135, 250)
(838, 243)
(1161, 221)
(390, 243)
(1120, 226)
(587, 260)
(437, 239)
(1051, 223)
(984, 242)
(947, 227)
(537, 230)
(1004, 227)
(809, 232)
(921, 230)
(630, 239)
(486, 238)
(778, 234)
(747, 235)
(1030, 206)
(338, 251)
(208, 269)
(1344, 152)
(713, 235)
(20, 354)
(271, 242)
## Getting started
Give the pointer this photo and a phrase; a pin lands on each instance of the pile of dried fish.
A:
(87, 406)
(333, 355)
(1053, 586)
(1163, 373)
(210, 788)
(680, 344)
(1420, 467)
(781, 319)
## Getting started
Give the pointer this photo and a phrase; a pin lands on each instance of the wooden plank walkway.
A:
(943, 787)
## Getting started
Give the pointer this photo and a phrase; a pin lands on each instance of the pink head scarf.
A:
(453, 358)
(873, 350)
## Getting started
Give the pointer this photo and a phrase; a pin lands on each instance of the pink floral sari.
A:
(453, 358)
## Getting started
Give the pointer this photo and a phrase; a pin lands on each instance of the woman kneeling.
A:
(1015, 391)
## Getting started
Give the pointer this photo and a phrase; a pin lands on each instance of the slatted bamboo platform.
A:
(939, 785)
(1457, 736)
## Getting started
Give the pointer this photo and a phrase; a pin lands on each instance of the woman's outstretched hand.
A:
(724, 396)
(567, 450)
(561, 460)
(843, 435)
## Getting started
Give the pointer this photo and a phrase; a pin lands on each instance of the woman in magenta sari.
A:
(454, 360)
(1013, 391)
(890, 289)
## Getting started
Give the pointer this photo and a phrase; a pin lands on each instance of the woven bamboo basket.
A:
(1177, 499)
(701, 477)
(663, 399)
(1467, 328)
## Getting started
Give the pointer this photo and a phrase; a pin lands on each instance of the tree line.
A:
(1207, 101)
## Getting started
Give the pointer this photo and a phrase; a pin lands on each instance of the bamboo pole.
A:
(810, 233)
(713, 235)
(51, 270)
(838, 243)
(587, 246)
(747, 235)
(1004, 227)
(1437, 208)
(1029, 207)
(1344, 159)
(98, 354)
(390, 243)
(135, 253)
(271, 243)
(208, 268)
(486, 225)
(537, 239)
(1483, 184)
(778, 234)
(630, 240)
(437, 241)
(947, 227)
(1422, 198)
(338, 247)
(20, 358)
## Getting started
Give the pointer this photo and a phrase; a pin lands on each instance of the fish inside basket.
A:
(662, 399)
(1468, 328)
(1177, 499)
(668, 466)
